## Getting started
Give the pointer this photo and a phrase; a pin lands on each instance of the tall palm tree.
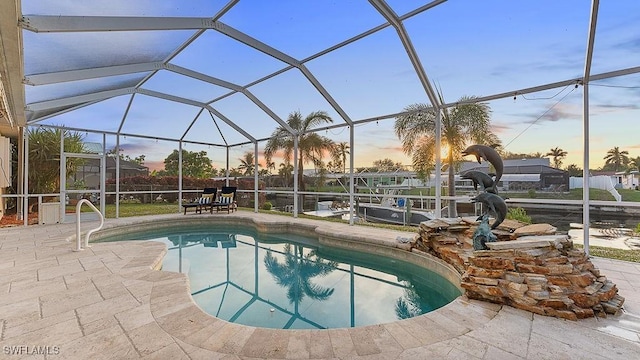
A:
(311, 146)
(619, 159)
(247, 164)
(558, 154)
(461, 125)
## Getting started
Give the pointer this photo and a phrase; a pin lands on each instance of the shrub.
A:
(532, 193)
(637, 230)
(267, 206)
(519, 214)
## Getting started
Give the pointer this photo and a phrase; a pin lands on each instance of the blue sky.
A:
(466, 48)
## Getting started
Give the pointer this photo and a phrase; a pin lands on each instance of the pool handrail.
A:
(86, 239)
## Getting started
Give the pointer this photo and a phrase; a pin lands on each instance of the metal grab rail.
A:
(86, 239)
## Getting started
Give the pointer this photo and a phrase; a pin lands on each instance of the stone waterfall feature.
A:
(530, 267)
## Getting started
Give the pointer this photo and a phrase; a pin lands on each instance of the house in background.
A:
(522, 175)
(518, 175)
(88, 173)
(628, 179)
(621, 179)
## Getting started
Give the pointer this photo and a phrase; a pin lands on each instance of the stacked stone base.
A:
(543, 274)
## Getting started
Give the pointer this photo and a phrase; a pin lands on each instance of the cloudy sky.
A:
(475, 48)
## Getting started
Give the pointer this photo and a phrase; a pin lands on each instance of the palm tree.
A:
(285, 173)
(574, 170)
(339, 154)
(461, 125)
(270, 166)
(247, 164)
(44, 158)
(296, 272)
(266, 172)
(634, 164)
(410, 304)
(311, 146)
(558, 154)
(618, 159)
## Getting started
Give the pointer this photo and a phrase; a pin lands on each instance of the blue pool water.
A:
(291, 282)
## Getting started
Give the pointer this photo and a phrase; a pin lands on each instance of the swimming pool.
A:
(292, 281)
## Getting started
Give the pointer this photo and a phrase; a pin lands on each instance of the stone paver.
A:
(109, 302)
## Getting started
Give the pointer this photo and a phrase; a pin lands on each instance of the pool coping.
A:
(179, 315)
(109, 302)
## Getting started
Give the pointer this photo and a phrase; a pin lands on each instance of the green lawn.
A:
(610, 253)
(576, 194)
(127, 210)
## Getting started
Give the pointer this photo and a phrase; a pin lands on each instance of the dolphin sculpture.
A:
(494, 204)
(483, 234)
(488, 154)
(479, 178)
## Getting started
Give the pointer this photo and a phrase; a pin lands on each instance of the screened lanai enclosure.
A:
(227, 78)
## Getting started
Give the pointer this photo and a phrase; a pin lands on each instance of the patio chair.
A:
(204, 202)
(225, 240)
(226, 200)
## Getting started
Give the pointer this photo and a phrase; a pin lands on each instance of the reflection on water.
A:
(296, 272)
(410, 304)
(563, 221)
(290, 282)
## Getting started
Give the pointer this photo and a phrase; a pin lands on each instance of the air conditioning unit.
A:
(49, 213)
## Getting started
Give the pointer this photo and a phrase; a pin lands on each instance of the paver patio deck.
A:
(108, 302)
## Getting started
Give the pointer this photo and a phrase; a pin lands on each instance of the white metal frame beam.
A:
(56, 24)
(342, 44)
(195, 118)
(601, 76)
(585, 122)
(231, 86)
(577, 81)
(79, 99)
(230, 123)
(48, 23)
(78, 75)
(56, 113)
(202, 77)
(64, 76)
(277, 54)
(114, 133)
(93, 73)
(74, 100)
(390, 15)
(196, 104)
